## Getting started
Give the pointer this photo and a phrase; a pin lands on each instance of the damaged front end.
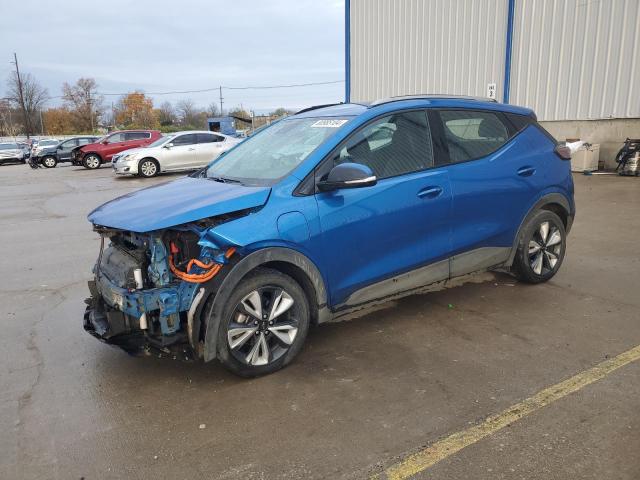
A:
(148, 286)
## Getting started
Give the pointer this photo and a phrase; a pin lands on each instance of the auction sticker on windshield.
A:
(329, 123)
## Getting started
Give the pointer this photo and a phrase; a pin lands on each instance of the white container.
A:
(586, 158)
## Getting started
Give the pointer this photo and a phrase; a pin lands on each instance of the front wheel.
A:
(264, 324)
(49, 162)
(91, 161)
(541, 249)
(148, 167)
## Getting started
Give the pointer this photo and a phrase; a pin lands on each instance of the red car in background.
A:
(93, 155)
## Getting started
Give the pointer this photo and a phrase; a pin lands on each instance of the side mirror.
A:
(348, 175)
(59, 147)
(104, 142)
(167, 145)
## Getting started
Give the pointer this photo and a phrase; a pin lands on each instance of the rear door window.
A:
(137, 135)
(209, 138)
(472, 134)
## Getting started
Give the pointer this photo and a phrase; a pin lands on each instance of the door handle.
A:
(191, 149)
(430, 192)
(526, 171)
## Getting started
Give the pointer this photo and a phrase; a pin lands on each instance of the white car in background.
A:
(178, 151)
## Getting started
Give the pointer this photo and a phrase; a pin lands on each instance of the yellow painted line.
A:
(420, 461)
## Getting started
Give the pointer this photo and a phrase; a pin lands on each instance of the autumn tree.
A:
(135, 110)
(58, 121)
(84, 103)
(34, 94)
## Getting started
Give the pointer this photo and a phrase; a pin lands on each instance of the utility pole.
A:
(41, 124)
(90, 109)
(24, 109)
(221, 101)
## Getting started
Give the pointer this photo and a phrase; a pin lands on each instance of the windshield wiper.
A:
(224, 180)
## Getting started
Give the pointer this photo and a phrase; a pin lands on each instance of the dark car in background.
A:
(93, 155)
(51, 156)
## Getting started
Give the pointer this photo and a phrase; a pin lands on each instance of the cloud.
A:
(186, 45)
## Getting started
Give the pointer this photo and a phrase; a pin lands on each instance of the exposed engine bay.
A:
(147, 286)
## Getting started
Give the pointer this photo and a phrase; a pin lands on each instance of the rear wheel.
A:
(91, 161)
(49, 162)
(541, 249)
(148, 167)
(264, 324)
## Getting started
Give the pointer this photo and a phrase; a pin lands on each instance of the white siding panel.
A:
(402, 47)
(577, 59)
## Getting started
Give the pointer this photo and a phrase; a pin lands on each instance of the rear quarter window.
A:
(138, 135)
(469, 135)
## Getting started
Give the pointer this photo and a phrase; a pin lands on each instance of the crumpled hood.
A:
(180, 201)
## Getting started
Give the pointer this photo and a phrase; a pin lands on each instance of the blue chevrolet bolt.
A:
(322, 213)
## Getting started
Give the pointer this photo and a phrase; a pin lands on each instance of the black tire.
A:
(266, 283)
(535, 265)
(52, 161)
(91, 161)
(148, 167)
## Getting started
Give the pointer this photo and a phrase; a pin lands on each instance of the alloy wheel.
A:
(92, 161)
(49, 162)
(148, 168)
(545, 248)
(262, 326)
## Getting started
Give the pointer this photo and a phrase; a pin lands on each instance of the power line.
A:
(204, 90)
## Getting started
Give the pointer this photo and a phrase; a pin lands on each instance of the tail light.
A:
(563, 152)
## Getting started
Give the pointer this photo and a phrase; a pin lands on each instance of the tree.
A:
(189, 115)
(35, 96)
(58, 121)
(241, 113)
(135, 110)
(212, 110)
(84, 103)
(8, 114)
(280, 112)
(166, 114)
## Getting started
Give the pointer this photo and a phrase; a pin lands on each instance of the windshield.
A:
(8, 146)
(161, 141)
(275, 151)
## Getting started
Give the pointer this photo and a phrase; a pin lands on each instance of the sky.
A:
(156, 46)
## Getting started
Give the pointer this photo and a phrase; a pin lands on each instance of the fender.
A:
(244, 266)
(547, 199)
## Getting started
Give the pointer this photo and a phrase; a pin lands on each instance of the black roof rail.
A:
(315, 107)
(427, 96)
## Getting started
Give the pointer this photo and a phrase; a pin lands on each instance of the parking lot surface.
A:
(362, 395)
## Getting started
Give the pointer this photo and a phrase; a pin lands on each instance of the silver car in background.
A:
(187, 150)
(11, 152)
(42, 144)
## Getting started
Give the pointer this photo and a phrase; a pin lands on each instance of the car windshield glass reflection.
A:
(274, 152)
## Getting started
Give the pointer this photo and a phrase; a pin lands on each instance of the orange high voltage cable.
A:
(211, 269)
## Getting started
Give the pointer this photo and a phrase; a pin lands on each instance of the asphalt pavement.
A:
(362, 396)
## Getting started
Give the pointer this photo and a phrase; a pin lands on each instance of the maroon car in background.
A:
(93, 155)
